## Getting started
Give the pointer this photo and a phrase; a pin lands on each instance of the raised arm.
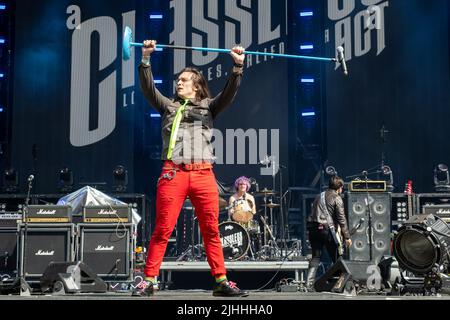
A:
(153, 96)
(226, 97)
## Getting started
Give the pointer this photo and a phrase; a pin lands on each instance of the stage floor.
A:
(206, 295)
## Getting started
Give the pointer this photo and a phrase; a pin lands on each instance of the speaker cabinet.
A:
(107, 249)
(344, 275)
(378, 205)
(42, 244)
(8, 252)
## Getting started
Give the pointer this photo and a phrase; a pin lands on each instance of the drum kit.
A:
(243, 237)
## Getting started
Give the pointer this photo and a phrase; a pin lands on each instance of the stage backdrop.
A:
(398, 57)
(78, 104)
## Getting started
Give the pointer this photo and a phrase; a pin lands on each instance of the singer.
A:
(325, 225)
(188, 171)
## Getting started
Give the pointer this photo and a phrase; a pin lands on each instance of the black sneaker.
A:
(228, 289)
(144, 289)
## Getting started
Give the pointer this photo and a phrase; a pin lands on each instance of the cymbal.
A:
(271, 205)
(265, 191)
(222, 203)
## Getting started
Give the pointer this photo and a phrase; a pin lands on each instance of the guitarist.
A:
(327, 226)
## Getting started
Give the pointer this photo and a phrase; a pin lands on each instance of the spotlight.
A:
(441, 178)
(65, 180)
(420, 246)
(331, 171)
(388, 176)
(120, 179)
(327, 173)
(10, 181)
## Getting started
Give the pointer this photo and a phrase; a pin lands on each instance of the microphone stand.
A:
(25, 220)
(369, 228)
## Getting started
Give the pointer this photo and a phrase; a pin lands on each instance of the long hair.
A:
(199, 83)
(242, 179)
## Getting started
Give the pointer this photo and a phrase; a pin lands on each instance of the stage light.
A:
(308, 113)
(2, 6)
(331, 171)
(156, 16)
(388, 176)
(158, 81)
(441, 178)
(155, 115)
(307, 46)
(307, 80)
(10, 181)
(120, 175)
(420, 245)
(306, 13)
(65, 180)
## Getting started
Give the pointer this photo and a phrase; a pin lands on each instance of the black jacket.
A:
(335, 207)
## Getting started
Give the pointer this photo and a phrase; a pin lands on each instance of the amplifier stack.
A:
(104, 239)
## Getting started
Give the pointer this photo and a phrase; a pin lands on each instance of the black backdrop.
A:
(406, 88)
(46, 77)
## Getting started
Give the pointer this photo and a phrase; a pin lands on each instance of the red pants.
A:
(173, 188)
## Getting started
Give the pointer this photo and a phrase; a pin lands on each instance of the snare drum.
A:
(235, 240)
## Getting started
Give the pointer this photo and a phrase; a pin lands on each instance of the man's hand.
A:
(238, 54)
(348, 243)
(148, 48)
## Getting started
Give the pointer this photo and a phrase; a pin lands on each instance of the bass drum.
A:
(235, 240)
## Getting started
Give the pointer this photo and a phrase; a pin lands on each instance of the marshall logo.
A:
(106, 212)
(443, 211)
(104, 248)
(46, 212)
(45, 253)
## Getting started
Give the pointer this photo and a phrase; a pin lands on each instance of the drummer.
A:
(241, 205)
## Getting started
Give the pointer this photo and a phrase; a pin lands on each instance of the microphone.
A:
(341, 59)
(265, 161)
(360, 222)
(30, 178)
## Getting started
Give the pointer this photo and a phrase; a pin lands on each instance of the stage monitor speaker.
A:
(8, 253)
(71, 277)
(358, 220)
(107, 249)
(345, 275)
(42, 244)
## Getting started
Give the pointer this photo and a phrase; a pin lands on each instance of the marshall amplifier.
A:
(42, 244)
(367, 186)
(49, 214)
(10, 219)
(440, 210)
(8, 252)
(107, 249)
(107, 214)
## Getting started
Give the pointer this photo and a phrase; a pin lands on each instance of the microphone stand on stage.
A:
(25, 289)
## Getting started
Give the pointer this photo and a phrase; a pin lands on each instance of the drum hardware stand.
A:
(190, 250)
(272, 244)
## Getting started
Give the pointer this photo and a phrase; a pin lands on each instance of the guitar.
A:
(409, 193)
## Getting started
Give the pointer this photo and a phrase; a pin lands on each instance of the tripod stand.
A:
(189, 253)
